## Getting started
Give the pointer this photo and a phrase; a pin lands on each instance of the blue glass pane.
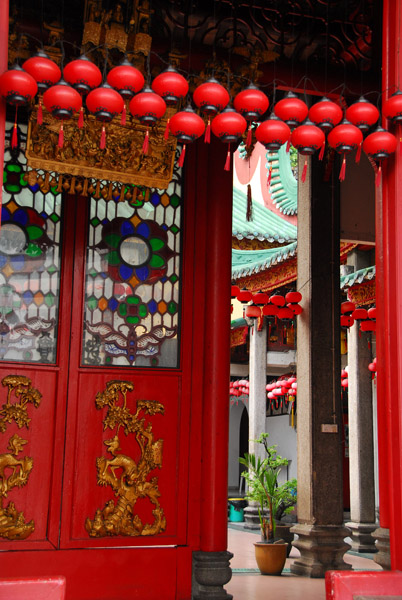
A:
(155, 199)
(28, 297)
(20, 216)
(125, 271)
(34, 188)
(142, 273)
(3, 260)
(5, 215)
(152, 307)
(143, 230)
(113, 304)
(127, 228)
(17, 262)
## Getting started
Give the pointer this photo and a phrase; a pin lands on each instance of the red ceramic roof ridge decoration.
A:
(17, 87)
(126, 79)
(326, 114)
(44, 70)
(251, 103)
(82, 74)
(105, 103)
(211, 97)
(170, 85)
(291, 109)
(229, 125)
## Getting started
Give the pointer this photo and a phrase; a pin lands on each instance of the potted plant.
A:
(272, 499)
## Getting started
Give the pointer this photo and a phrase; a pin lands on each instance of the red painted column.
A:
(3, 67)
(217, 352)
(389, 302)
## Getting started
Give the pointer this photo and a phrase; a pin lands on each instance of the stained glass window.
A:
(29, 265)
(132, 298)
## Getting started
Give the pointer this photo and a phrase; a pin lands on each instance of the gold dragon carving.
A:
(14, 471)
(130, 480)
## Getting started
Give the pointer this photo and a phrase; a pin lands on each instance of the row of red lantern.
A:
(239, 387)
(276, 305)
(365, 317)
(125, 81)
(282, 387)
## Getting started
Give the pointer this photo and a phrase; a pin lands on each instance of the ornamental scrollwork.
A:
(130, 480)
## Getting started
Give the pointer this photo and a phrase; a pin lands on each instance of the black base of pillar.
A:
(211, 571)
(321, 549)
(362, 540)
(383, 556)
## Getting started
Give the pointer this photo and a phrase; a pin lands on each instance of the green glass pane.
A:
(23, 183)
(54, 190)
(142, 311)
(132, 320)
(174, 200)
(52, 269)
(55, 218)
(92, 303)
(14, 168)
(95, 222)
(108, 359)
(34, 232)
(113, 258)
(156, 244)
(11, 188)
(122, 310)
(156, 261)
(49, 299)
(132, 300)
(174, 229)
(172, 308)
(33, 250)
(173, 278)
(112, 239)
(4, 176)
(92, 273)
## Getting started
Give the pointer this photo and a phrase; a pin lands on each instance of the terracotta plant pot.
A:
(270, 558)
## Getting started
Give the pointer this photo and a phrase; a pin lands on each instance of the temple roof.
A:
(248, 262)
(356, 277)
(283, 182)
(265, 224)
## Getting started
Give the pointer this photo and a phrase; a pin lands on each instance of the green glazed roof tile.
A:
(238, 323)
(247, 262)
(356, 277)
(283, 182)
(265, 224)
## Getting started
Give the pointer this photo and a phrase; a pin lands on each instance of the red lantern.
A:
(82, 74)
(359, 314)
(43, 70)
(229, 126)
(260, 299)
(363, 114)
(235, 290)
(372, 313)
(244, 296)
(170, 85)
(18, 88)
(307, 138)
(372, 367)
(379, 145)
(368, 325)
(62, 101)
(346, 321)
(325, 114)
(105, 103)
(211, 97)
(270, 310)
(285, 313)
(186, 126)
(296, 308)
(344, 373)
(272, 133)
(392, 108)
(253, 312)
(347, 307)
(345, 138)
(252, 103)
(291, 109)
(148, 107)
(345, 383)
(126, 79)
(293, 297)
(278, 300)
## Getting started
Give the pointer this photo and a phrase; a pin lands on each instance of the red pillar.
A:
(389, 302)
(3, 67)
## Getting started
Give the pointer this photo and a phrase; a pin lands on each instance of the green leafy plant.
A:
(263, 487)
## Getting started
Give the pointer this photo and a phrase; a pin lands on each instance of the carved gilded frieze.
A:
(363, 293)
(81, 157)
(271, 279)
(15, 469)
(129, 479)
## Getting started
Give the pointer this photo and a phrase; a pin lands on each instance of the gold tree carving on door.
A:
(128, 479)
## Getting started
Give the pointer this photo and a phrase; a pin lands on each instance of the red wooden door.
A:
(95, 360)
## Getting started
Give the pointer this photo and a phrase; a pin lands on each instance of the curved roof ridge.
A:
(247, 262)
(283, 183)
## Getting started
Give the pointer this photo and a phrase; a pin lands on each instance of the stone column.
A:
(319, 420)
(257, 403)
(361, 450)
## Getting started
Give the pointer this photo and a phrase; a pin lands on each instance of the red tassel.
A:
(123, 115)
(304, 172)
(378, 176)
(81, 118)
(358, 153)
(269, 175)
(39, 116)
(166, 134)
(227, 163)
(102, 144)
(249, 140)
(145, 145)
(207, 136)
(61, 136)
(343, 169)
(14, 137)
(180, 162)
(321, 155)
(288, 145)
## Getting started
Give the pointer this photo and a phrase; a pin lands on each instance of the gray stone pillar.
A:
(319, 419)
(257, 404)
(361, 448)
